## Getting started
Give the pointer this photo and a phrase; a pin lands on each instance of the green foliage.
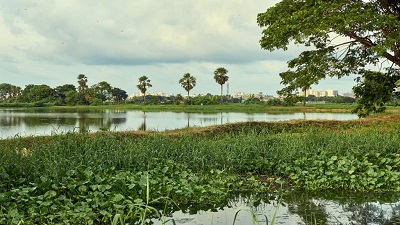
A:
(373, 91)
(253, 100)
(9, 92)
(369, 30)
(91, 178)
(188, 82)
(329, 99)
(101, 91)
(118, 94)
(95, 101)
(221, 78)
(43, 95)
(144, 84)
(71, 97)
(64, 94)
(202, 100)
(362, 172)
(93, 197)
(37, 93)
(274, 102)
(82, 89)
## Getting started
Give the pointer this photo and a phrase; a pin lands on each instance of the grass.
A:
(94, 177)
(237, 148)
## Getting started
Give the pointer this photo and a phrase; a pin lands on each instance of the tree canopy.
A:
(143, 85)
(343, 38)
(188, 82)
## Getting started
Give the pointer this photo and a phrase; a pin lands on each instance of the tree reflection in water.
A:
(57, 121)
(143, 126)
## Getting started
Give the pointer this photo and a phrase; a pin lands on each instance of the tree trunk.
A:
(221, 96)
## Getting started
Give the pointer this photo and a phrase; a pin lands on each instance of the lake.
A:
(36, 122)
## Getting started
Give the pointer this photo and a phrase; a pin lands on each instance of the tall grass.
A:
(110, 177)
(245, 150)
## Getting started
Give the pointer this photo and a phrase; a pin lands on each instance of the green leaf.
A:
(50, 194)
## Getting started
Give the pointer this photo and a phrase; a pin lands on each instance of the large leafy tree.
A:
(9, 91)
(144, 84)
(344, 38)
(221, 78)
(15, 91)
(102, 90)
(118, 94)
(373, 91)
(5, 91)
(38, 93)
(61, 92)
(188, 82)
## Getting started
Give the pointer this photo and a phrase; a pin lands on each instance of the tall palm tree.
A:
(82, 81)
(188, 82)
(144, 83)
(221, 77)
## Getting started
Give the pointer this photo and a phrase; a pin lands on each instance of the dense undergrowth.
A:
(91, 178)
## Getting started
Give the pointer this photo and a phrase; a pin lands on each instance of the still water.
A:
(297, 208)
(28, 122)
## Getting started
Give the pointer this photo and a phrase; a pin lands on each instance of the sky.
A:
(53, 41)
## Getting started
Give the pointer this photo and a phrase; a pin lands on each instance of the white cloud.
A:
(117, 41)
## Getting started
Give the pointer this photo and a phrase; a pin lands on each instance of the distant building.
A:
(149, 93)
(324, 93)
(349, 94)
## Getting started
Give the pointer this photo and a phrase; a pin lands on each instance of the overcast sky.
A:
(52, 42)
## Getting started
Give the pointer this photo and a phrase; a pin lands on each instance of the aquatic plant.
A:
(110, 177)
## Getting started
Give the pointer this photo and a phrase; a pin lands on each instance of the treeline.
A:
(104, 93)
(67, 94)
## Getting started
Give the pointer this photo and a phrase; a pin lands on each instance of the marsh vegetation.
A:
(90, 178)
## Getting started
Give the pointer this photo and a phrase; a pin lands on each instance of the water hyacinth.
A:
(106, 174)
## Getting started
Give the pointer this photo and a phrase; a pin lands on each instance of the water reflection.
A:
(143, 126)
(188, 120)
(29, 122)
(297, 208)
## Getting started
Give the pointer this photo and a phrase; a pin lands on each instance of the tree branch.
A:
(344, 43)
(369, 43)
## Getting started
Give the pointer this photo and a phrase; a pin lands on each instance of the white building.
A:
(323, 93)
(139, 94)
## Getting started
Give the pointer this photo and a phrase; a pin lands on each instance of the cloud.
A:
(136, 32)
(117, 41)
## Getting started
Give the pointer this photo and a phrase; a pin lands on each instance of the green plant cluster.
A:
(359, 172)
(84, 196)
(93, 177)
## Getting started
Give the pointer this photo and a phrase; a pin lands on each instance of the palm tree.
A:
(221, 77)
(82, 81)
(188, 82)
(144, 83)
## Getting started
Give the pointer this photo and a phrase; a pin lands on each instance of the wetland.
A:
(284, 172)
